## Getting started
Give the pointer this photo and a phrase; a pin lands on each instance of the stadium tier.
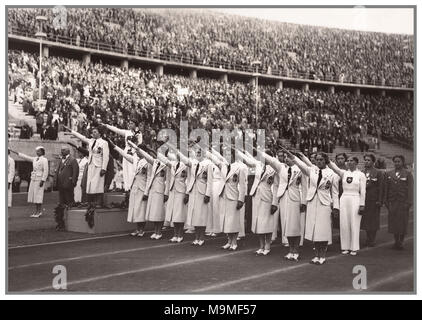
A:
(80, 95)
(232, 42)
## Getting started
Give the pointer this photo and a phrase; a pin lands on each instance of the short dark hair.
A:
(355, 159)
(324, 155)
(341, 154)
(400, 157)
(370, 155)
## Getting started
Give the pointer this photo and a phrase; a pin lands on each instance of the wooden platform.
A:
(105, 221)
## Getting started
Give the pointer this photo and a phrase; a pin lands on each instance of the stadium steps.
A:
(18, 117)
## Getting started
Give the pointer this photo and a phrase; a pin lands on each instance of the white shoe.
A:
(180, 239)
(32, 215)
(233, 248)
(158, 236)
(353, 253)
(321, 261)
(259, 251)
(295, 257)
(200, 242)
(134, 233)
(190, 231)
(153, 236)
(288, 256)
(266, 252)
(141, 234)
(315, 260)
(226, 246)
(195, 242)
(285, 245)
(174, 239)
(213, 234)
(208, 234)
(37, 215)
(345, 252)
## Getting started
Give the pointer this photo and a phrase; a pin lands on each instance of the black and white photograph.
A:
(210, 150)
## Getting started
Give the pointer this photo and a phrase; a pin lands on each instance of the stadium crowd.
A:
(216, 39)
(80, 96)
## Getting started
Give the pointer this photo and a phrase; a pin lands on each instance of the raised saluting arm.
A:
(78, 135)
(305, 159)
(337, 170)
(250, 162)
(273, 162)
(24, 156)
(116, 130)
(182, 157)
(302, 165)
(143, 154)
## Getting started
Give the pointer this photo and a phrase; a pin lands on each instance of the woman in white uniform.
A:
(82, 162)
(232, 200)
(262, 197)
(176, 209)
(198, 194)
(322, 194)
(213, 223)
(288, 199)
(137, 207)
(130, 135)
(154, 191)
(10, 177)
(39, 176)
(352, 205)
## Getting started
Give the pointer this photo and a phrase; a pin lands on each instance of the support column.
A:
(382, 93)
(305, 87)
(193, 74)
(45, 51)
(331, 89)
(252, 80)
(124, 64)
(357, 91)
(159, 70)
(279, 84)
(86, 58)
(224, 77)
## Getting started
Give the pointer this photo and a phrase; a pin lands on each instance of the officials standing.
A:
(398, 198)
(67, 177)
(373, 200)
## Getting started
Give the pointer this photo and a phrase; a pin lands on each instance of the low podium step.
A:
(105, 221)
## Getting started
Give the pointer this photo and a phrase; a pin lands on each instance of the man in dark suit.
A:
(66, 176)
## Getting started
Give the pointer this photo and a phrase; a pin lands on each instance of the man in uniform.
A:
(67, 177)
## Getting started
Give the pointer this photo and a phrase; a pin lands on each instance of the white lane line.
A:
(192, 261)
(398, 276)
(68, 241)
(97, 255)
(163, 266)
(282, 270)
(85, 239)
(115, 252)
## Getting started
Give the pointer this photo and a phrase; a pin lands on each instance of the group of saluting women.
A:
(205, 192)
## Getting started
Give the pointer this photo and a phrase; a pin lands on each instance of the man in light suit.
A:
(97, 165)
(67, 177)
(10, 176)
(322, 194)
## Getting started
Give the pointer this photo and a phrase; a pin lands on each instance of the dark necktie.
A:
(93, 145)
(197, 169)
(319, 177)
(177, 166)
(289, 175)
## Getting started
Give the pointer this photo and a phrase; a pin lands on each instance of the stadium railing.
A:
(219, 65)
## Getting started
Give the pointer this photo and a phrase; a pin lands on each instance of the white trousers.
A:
(349, 222)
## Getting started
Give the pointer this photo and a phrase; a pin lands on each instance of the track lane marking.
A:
(276, 271)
